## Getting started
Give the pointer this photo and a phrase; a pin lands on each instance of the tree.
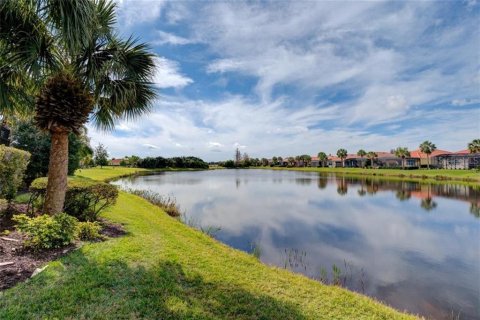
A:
(274, 161)
(264, 162)
(322, 157)
(291, 161)
(342, 154)
(474, 146)
(133, 160)
(371, 155)
(101, 156)
(427, 147)
(362, 153)
(306, 159)
(68, 55)
(238, 157)
(402, 153)
(26, 136)
(280, 161)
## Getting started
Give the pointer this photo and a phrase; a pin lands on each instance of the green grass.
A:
(163, 269)
(107, 173)
(418, 174)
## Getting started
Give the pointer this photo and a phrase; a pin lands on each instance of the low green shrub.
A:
(46, 232)
(3, 205)
(13, 163)
(87, 231)
(85, 198)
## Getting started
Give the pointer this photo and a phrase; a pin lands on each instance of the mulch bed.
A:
(18, 264)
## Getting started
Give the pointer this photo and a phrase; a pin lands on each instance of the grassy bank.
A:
(419, 174)
(163, 269)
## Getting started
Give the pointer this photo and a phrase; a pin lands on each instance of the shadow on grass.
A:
(81, 288)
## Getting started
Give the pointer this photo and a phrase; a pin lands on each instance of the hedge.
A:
(13, 163)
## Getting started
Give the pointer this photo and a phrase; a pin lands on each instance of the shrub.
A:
(85, 198)
(13, 163)
(168, 204)
(88, 230)
(3, 205)
(46, 232)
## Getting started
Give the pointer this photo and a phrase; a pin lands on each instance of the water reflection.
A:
(375, 231)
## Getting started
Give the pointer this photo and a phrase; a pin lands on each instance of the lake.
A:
(410, 245)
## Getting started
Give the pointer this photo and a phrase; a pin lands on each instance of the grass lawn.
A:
(424, 174)
(163, 269)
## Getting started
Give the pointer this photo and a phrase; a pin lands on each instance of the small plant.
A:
(256, 250)
(46, 232)
(88, 231)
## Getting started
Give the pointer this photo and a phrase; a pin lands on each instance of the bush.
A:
(13, 163)
(3, 205)
(88, 231)
(46, 232)
(85, 198)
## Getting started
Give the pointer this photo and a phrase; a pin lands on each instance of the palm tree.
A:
(402, 153)
(306, 159)
(362, 153)
(78, 70)
(322, 157)
(427, 147)
(371, 155)
(474, 146)
(291, 161)
(342, 154)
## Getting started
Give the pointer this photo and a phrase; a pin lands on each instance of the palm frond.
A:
(75, 21)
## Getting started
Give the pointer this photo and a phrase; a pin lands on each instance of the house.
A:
(462, 159)
(390, 160)
(115, 162)
(315, 162)
(434, 159)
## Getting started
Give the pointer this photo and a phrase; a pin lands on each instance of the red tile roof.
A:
(418, 154)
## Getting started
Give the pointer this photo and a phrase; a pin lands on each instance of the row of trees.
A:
(175, 162)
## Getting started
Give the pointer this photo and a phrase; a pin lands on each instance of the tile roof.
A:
(418, 154)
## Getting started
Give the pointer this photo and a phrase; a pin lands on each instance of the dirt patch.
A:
(18, 264)
(110, 229)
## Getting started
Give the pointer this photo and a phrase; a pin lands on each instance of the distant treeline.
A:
(175, 162)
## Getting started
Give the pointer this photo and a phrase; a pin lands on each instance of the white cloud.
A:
(170, 38)
(167, 74)
(131, 12)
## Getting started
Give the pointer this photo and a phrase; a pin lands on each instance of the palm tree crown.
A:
(427, 147)
(474, 146)
(67, 55)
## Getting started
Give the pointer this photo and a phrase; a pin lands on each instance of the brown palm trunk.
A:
(57, 173)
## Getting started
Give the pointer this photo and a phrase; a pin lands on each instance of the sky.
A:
(282, 78)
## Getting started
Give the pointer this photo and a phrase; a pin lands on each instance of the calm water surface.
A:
(413, 246)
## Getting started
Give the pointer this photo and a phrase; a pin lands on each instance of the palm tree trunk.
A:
(428, 162)
(57, 173)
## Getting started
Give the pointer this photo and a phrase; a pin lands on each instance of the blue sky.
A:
(287, 78)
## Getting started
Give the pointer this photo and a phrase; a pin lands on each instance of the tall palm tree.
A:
(78, 69)
(402, 153)
(342, 154)
(322, 157)
(306, 159)
(427, 147)
(371, 155)
(474, 146)
(362, 153)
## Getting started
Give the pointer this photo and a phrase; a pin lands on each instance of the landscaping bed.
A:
(17, 264)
